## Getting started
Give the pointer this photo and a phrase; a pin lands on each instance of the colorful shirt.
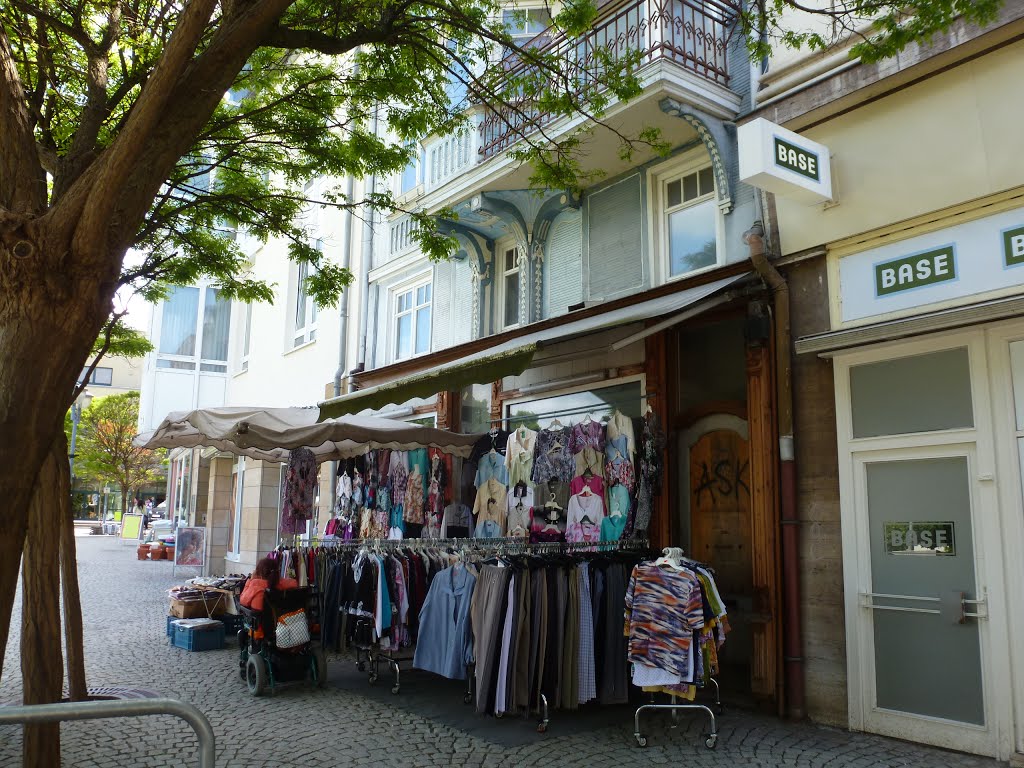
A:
(587, 434)
(399, 477)
(583, 532)
(664, 608)
(619, 471)
(621, 425)
(553, 459)
(413, 512)
(612, 527)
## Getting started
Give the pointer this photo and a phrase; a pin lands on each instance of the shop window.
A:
(921, 393)
(689, 221)
(412, 320)
(101, 376)
(573, 407)
(510, 274)
(476, 408)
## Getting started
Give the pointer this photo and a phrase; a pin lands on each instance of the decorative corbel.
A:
(718, 137)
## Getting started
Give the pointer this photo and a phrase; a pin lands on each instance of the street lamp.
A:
(80, 404)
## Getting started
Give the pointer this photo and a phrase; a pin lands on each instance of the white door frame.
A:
(977, 443)
(1011, 507)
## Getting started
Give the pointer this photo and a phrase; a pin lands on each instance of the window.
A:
(101, 377)
(412, 321)
(194, 320)
(178, 327)
(235, 506)
(524, 25)
(305, 305)
(691, 222)
(245, 338)
(509, 289)
(410, 174)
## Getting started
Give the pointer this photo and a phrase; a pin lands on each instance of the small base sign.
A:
(919, 538)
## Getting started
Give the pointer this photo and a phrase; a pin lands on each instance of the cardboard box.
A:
(198, 609)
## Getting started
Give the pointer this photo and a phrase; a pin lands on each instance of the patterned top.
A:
(583, 532)
(594, 483)
(587, 434)
(553, 458)
(298, 491)
(413, 511)
(664, 608)
(583, 506)
(620, 471)
(399, 480)
(590, 459)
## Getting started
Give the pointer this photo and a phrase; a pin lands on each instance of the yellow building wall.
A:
(952, 138)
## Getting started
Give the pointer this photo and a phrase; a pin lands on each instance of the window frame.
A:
(243, 358)
(660, 178)
(305, 333)
(526, 7)
(195, 362)
(93, 381)
(502, 274)
(237, 495)
(410, 287)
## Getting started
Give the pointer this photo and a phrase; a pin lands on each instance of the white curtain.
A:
(216, 325)
(178, 325)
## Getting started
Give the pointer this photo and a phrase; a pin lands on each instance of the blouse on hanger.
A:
(399, 477)
(581, 505)
(520, 511)
(587, 434)
(612, 527)
(519, 456)
(594, 483)
(583, 532)
(619, 471)
(491, 465)
(495, 439)
(489, 509)
(618, 500)
(590, 459)
(552, 457)
(620, 425)
(413, 512)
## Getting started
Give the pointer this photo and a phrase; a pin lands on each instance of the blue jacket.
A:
(445, 642)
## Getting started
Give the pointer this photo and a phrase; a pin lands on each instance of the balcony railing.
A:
(691, 33)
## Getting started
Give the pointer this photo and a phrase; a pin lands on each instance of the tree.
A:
(115, 133)
(106, 451)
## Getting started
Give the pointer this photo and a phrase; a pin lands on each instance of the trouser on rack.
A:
(487, 611)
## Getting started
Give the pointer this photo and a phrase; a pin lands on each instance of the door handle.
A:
(953, 605)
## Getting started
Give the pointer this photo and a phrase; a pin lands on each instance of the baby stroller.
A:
(262, 663)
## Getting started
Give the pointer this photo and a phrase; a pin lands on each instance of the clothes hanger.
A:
(586, 491)
(587, 420)
(555, 424)
(671, 557)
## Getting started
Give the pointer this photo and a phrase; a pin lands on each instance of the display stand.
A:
(710, 738)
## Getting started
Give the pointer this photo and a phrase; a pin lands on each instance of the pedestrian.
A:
(146, 513)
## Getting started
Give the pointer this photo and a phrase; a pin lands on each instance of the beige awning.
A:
(270, 433)
(514, 356)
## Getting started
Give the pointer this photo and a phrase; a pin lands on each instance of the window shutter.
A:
(462, 306)
(442, 305)
(616, 249)
(563, 281)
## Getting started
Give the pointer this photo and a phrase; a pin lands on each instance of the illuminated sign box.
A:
(786, 163)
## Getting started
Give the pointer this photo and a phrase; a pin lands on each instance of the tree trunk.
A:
(42, 668)
(74, 640)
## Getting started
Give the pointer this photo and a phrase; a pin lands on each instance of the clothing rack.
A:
(711, 737)
(576, 411)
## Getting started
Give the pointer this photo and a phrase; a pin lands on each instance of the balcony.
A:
(693, 34)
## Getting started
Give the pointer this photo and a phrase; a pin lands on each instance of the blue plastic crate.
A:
(170, 626)
(208, 637)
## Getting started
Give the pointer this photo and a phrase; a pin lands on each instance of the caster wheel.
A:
(542, 727)
(241, 673)
(467, 698)
(372, 679)
(711, 741)
(641, 741)
(395, 689)
(499, 715)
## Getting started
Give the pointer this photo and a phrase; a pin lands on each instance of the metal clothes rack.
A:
(711, 737)
(372, 655)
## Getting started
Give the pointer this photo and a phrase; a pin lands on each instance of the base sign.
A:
(780, 161)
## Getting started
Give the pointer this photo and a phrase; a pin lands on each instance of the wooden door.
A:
(721, 535)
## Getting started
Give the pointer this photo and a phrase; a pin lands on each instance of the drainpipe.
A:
(367, 263)
(793, 662)
(346, 262)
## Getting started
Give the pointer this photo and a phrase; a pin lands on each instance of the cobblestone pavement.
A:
(349, 723)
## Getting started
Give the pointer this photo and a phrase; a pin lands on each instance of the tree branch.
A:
(22, 179)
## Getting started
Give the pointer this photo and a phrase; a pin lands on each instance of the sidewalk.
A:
(350, 723)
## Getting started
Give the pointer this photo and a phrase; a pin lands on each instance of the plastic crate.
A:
(232, 623)
(170, 626)
(208, 637)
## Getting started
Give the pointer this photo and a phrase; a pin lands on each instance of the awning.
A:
(826, 344)
(512, 357)
(269, 434)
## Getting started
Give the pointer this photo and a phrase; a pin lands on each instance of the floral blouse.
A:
(587, 434)
(413, 511)
(620, 471)
(553, 458)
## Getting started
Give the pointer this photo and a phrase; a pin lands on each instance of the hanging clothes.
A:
(445, 644)
(298, 492)
(587, 434)
(489, 510)
(552, 458)
(589, 461)
(495, 439)
(491, 465)
(519, 518)
(621, 426)
(520, 453)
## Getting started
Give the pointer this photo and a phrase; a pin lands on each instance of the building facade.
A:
(908, 362)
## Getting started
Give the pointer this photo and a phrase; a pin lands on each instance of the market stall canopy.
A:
(270, 433)
(513, 357)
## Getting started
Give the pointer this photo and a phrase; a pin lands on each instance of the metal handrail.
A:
(34, 714)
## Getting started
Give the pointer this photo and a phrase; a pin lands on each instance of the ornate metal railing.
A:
(691, 33)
